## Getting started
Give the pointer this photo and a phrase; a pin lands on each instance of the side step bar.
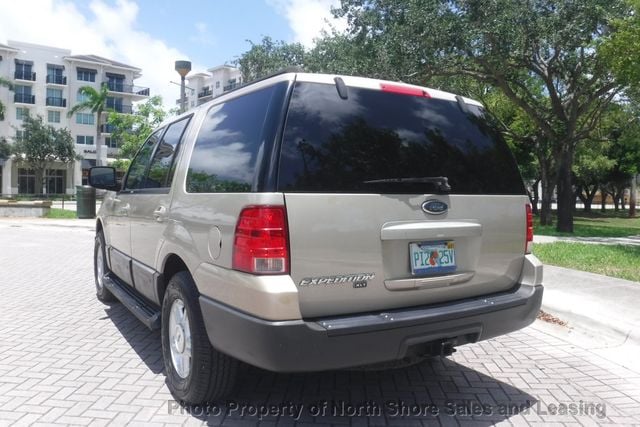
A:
(145, 312)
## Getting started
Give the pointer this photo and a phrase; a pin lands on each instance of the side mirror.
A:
(103, 177)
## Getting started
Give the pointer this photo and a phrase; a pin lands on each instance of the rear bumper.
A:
(362, 339)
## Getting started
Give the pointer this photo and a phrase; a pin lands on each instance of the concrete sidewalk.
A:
(604, 306)
(52, 222)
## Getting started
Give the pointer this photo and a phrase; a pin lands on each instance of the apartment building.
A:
(46, 81)
(202, 87)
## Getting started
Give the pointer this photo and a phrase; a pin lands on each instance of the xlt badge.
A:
(359, 280)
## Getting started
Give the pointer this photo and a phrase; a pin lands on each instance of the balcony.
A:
(24, 98)
(23, 75)
(107, 128)
(206, 92)
(56, 80)
(119, 108)
(52, 101)
(115, 86)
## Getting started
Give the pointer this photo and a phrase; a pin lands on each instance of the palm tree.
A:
(95, 101)
(6, 83)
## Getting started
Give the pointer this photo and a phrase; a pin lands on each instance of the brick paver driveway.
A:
(66, 358)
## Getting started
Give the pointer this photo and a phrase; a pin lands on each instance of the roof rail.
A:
(268, 76)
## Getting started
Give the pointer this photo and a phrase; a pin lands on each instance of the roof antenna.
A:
(341, 87)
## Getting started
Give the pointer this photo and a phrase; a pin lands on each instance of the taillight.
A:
(261, 242)
(529, 241)
(404, 90)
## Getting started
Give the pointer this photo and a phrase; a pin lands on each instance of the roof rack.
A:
(277, 73)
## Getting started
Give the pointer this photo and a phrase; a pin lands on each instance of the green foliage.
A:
(622, 48)
(42, 145)
(4, 83)
(131, 130)
(596, 224)
(5, 148)
(268, 57)
(58, 213)
(96, 103)
(611, 260)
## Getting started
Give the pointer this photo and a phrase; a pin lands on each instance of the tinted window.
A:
(336, 145)
(162, 166)
(229, 144)
(139, 164)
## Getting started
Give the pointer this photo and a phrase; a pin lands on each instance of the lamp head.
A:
(183, 67)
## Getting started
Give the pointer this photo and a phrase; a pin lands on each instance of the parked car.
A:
(309, 222)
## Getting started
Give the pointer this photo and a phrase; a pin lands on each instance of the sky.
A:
(152, 34)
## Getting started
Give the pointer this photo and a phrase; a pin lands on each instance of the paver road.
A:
(66, 358)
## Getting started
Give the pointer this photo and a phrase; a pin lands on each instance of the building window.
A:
(54, 74)
(116, 82)
(19, 135)
(111, 142)
(86, 75)
(55, 181)
(84, 119)
(81, 97)
(23, 94)
(53, 116)
(54, 98)
(84, 140)
(24, 70)
(26, 181)
(21, 113)
(217, 85)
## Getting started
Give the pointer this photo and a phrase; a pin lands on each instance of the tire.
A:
(100, 269)
(202, 374)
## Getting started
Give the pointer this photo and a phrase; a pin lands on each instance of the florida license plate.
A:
(432, 257)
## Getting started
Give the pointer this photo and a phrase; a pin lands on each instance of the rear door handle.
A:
(159, 213)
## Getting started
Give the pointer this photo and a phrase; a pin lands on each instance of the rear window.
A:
(335, 145)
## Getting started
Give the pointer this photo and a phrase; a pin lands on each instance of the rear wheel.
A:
(196, 372)
(100, 269)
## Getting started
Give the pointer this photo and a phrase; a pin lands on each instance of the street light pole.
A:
(183, 68)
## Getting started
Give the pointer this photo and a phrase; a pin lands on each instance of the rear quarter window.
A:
(332, 144)
(229, 145)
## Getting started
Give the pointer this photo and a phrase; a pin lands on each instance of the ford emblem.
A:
(434, 207)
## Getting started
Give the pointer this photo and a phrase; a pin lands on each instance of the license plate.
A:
(432, 257)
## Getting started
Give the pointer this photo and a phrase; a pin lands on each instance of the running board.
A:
(144, 311)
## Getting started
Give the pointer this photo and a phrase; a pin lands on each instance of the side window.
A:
(228, 145)
(135, 177)
(162, 167)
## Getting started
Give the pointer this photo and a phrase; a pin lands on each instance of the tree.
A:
(4, 83)
(41, 146)
(504, 44)
(622, 48)
(131, 130)
(591, 167)
(5, 148)
(95, 101)
(268, 57)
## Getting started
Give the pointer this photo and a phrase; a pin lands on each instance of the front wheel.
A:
(196, 372)
(100, 269)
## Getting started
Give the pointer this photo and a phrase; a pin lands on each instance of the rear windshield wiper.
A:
(441, 181)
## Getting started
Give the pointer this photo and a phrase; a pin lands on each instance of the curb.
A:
(597, 305)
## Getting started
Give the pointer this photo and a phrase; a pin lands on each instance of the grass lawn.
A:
(595, 224)
(611, 260)
(61, 213)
